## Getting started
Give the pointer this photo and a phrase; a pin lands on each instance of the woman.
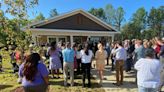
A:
(78, 58)
(100, 57)
(148, 72)
(112, 55)
(34, 74)
(86, 58)
(74, 47)
(55, 63)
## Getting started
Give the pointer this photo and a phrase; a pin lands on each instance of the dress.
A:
(55, 62)
(100, 59)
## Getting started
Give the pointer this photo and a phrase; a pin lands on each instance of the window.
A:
(52, 40)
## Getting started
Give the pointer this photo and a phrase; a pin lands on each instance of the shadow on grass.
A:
(5, 86)
(126, 84)
(76, 83)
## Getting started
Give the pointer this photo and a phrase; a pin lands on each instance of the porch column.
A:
(112, 38)
(71, 40)
(34, 39)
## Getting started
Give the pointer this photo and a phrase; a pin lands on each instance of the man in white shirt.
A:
(148, 72)
(120, 55)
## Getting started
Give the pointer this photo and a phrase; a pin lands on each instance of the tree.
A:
(119, 17)
(39, 17)
(149, 34)
(98, 13)
(109, 13)
(156, 19)
(129, 31)
(136, 25)
(53, 13)
(11, 28)
(139, 18)
(114, 17)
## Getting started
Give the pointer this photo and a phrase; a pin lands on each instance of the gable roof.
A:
(69, 14)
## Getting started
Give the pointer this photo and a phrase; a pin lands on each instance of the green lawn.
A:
(8, 82)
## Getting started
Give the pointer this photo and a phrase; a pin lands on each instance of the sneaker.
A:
(116, 84)
(72, 85)
(100, 82)
(65, 84)
(19, 80)
(89, 85)
(83, 86)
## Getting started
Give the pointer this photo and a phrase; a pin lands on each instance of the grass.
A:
(8, 82)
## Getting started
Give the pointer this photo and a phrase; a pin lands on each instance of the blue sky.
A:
(62, 6)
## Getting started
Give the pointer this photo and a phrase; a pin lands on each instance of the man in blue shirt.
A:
(68, 58)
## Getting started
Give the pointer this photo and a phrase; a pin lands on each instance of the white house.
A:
(75, 26)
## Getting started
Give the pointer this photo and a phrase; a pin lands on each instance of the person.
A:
(107, 48)
(139, 53)
(34, 74)
(74, 47)
(86, 58)
(129, 60)
(100, 57)
(14, 55)
(157, 47)
(121, 56)
(148, 72)
(139, 50)
(79, 47)
(42, 52)
(68, 65)
(161, 56)
(60, 53)
(112, 55)
(55, 63)
(0, 63)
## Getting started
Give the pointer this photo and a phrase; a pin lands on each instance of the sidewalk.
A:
(128, 84)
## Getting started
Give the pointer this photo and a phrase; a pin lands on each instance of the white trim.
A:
(88, 15)
(40, 31)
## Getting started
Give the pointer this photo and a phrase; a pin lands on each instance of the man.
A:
(148, 72)
(139, 50)
(121, 56)
(68, 58)
(161, 56)
(107, 48)
(139, 53)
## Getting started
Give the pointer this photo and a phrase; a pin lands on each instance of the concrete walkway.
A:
(128, 84)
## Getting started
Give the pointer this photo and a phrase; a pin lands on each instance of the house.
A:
(75, 26)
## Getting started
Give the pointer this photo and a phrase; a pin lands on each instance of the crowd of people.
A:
(145, 57)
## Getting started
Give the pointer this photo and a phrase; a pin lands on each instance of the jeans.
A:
(78, 66)
(112, 64)
(128, 64)
(143, 89)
